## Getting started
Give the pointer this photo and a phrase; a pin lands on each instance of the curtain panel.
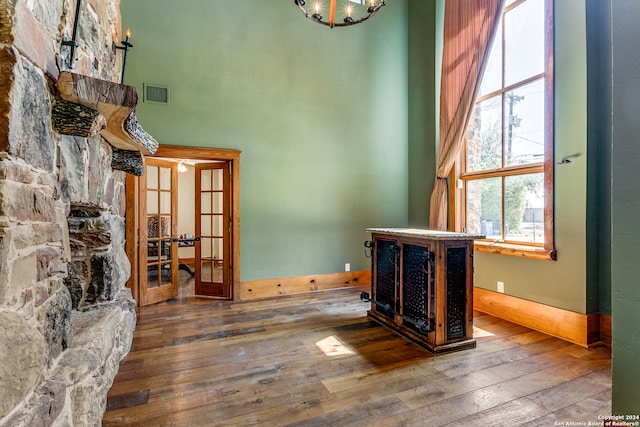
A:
(469, 27)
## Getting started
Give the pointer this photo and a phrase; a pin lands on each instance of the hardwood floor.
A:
(316, 360)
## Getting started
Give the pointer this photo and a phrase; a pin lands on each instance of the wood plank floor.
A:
(316, 360)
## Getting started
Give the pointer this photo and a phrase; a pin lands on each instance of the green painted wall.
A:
(599, 156)
(423, 121)
(426, 22)
(321, 117)
(561, 283)
(625, 205)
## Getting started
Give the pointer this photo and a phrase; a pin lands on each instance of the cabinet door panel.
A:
(418, 285)
(386, 276)
(456, 293)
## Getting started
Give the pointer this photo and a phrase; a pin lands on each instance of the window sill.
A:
(522, 251)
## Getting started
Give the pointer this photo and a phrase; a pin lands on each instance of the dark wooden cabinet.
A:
(422, 286)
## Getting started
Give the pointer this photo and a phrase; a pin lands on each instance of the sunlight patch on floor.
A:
(480, 333)
(332, 346)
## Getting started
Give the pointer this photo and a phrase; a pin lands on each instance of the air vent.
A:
(156, 93)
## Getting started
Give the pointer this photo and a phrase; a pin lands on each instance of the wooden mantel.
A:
(116, 103)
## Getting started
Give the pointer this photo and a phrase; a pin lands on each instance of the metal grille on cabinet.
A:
(386, 274)
(418, 290)
(456, 292)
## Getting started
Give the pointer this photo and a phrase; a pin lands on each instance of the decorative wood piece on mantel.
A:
(116, 103)
(69, 118)
(134, 129)
(128, 161)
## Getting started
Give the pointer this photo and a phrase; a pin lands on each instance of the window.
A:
(506, 168)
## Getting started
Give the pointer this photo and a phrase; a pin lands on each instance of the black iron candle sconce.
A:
(73, 43)
(126, 45)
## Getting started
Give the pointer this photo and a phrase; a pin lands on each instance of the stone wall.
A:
(66, 318)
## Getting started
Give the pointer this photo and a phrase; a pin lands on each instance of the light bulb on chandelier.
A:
(372, 7)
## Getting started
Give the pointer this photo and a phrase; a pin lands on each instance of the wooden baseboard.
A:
(605, 329)
(581, 329)
(266, 288)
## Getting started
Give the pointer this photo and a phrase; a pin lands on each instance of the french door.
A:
(213, 227)
(158, 243)
(154, 253)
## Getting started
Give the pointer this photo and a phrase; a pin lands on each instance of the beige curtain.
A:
(469, 27)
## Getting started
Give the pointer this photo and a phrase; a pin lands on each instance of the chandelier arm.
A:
(314, 17)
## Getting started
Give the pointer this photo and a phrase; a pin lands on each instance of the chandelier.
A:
(372, 7)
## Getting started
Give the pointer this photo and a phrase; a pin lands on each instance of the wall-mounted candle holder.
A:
(73, 43)
(126, 45)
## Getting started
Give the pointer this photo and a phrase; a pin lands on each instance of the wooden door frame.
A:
(133, 206)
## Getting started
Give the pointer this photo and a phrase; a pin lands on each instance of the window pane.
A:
(165, 226)
(205, 183)
(524, 208)
(524, 41)
(152, 177)
(484, 141)
(205, 224)
(484, 207)
(153, 231)
(165, 276)
(217, 248)
(206, 245)
(217, 203)
(165, 250)
(152, 276)
(217, 179)
(217, 225)
(492, 76)
(152, 202)
(165, 203)
(524, 124)
(165, 178)
(205, 272)
(205, 205)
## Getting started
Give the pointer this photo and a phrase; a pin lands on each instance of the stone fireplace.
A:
(66, 317)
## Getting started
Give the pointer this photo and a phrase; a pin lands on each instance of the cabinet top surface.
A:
(427, 234)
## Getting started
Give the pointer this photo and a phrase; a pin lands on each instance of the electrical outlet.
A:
(501, 287)
(347, 267)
